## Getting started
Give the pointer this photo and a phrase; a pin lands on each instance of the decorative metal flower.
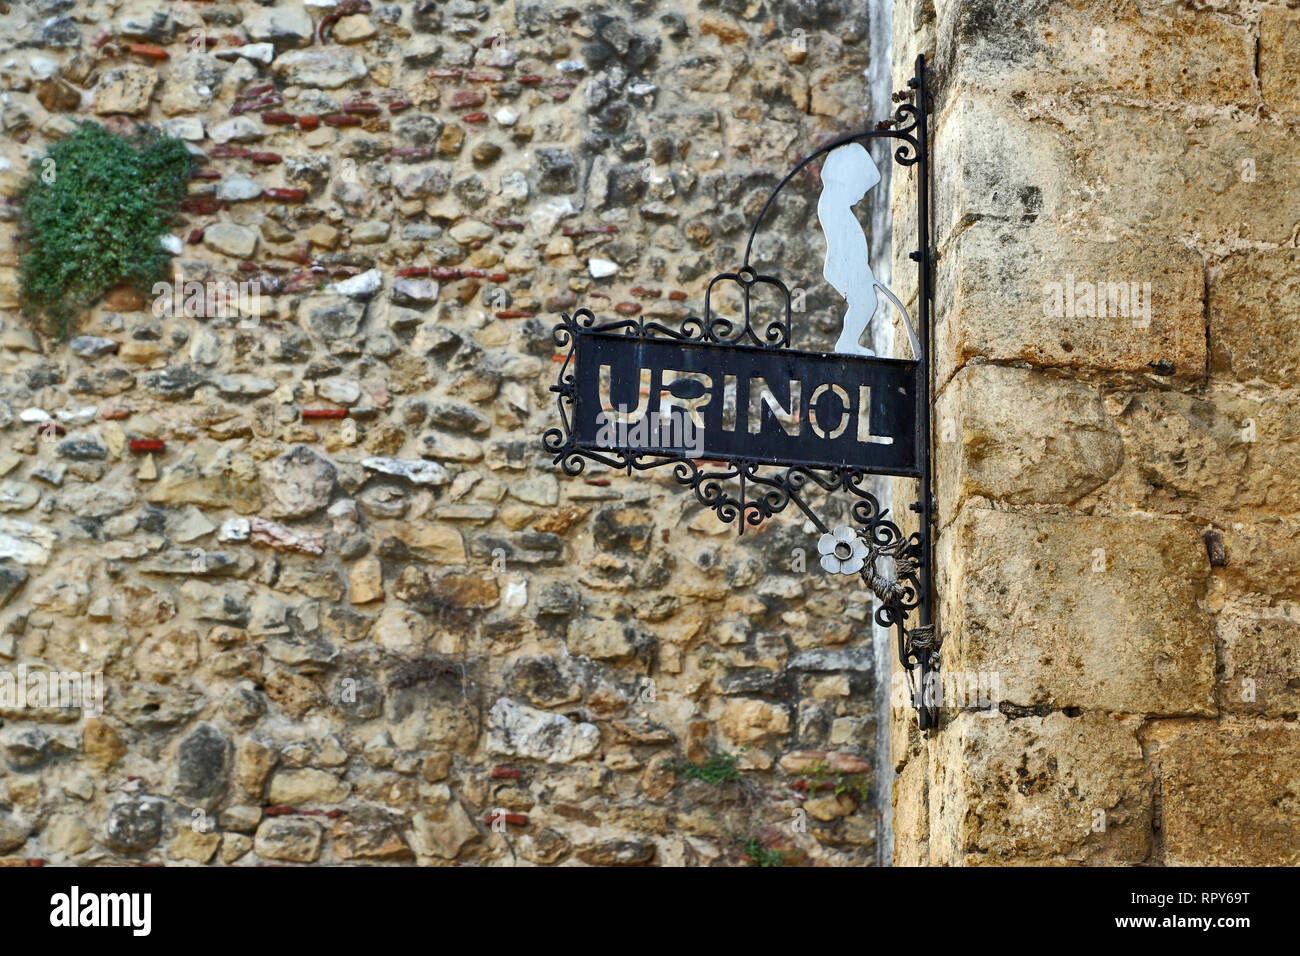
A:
(842, 551)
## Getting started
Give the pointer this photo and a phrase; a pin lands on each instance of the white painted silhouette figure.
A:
(847, 176)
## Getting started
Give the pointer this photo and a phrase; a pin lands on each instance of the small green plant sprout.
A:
(94, 211)
(821, 777)
(758, 854)
(718, 769)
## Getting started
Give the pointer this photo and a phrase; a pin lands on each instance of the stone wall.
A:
(1117, 502)
(399, 634)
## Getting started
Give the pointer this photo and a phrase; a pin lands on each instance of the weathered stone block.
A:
(1021, 436)
(1228, 790)
(911, 819)
(1012, 294)
(292, 839)
(126, 89)
(747, 721)
(1253, 301)
(996, 166)
(522, 731)
(1213, 452)
(1051, 789)
(1030, 46)
(1098, 613)
(1259, 648)
(1279, 51)
(307, 785)
(1154, 173)
(1262, 558)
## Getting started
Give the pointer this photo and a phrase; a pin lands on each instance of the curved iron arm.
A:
(907, 154)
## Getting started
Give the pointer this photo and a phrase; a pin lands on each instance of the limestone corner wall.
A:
(1117, 503)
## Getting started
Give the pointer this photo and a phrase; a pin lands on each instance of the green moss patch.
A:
(93, 213)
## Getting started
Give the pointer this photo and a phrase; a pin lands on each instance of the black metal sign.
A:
(751, 424)
(774, 406)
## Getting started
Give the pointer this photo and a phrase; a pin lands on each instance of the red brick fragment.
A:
(141, 445)
(278, 118)
(475, 117)
(513, 819)
(301, 283)
(148, 51)
(627, 308)
(313, 413)
(266, 159)
(285, 194)
(465, 99)
(340, 119)
(201, 206)
(444, 74)
(506, 773)
(514, 314)
(308, 122)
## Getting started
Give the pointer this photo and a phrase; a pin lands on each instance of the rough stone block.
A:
(1279, 51)
(1259, 648)
(1079, 611)
(1021, 436)
(994, 166)
(1263, 558)
(1034, 47)
(911, 820)
(1228, 790)
(1253, 300)
(1154, 173)
(1012, 294)
(1051, 789)
(1215, 451)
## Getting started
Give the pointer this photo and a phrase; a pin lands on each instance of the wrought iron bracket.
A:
(750, 480)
